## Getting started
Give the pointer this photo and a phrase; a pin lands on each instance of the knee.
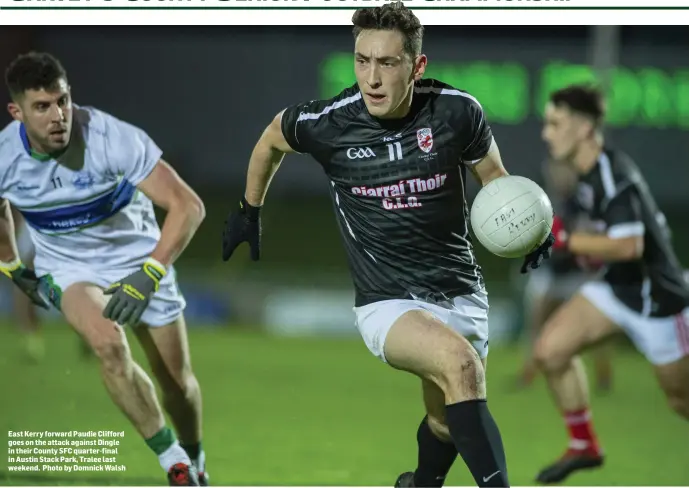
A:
(549, 358)
(460, 372)
(114, 356)
(182, 383)
(439, 428)
(188, 384)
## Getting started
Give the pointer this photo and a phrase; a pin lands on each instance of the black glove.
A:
(534, 259)
(25, 279)
(131, 295)
(242, 225)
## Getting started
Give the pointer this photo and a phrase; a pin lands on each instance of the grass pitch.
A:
(314, 411)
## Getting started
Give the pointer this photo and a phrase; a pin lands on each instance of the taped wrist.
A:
(9, 268)
(155, 270)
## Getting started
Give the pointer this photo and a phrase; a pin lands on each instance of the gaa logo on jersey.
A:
(425, 139)
(83, 179)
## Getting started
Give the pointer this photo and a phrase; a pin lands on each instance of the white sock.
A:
(173, 455)
(200, 462)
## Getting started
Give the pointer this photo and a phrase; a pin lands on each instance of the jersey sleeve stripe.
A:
(647, 304)
(476, 161)
(607, 177)
(445, 91)
(340, 103)
(628, 229)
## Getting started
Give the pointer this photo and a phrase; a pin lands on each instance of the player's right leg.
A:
(420, 343)
(575, 326)
(539, 304)
(544, 294)
(127, 384)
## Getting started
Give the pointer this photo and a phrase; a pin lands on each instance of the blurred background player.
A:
(642, 292)
(559, 277)
(397, 150)
(86, 183)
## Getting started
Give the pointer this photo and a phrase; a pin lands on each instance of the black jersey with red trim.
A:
(616, 195)
(398, 187)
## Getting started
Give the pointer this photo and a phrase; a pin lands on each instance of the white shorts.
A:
(166, 305)
(466, 314)
(662, 340)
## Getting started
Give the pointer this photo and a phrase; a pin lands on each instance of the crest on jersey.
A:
(425, 139)
(83, 179)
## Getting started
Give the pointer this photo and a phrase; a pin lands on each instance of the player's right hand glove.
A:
(131, 295)
(534, 259)
(25, 279)
(242, 225)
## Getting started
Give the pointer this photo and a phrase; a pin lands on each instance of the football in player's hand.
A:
(511, 216)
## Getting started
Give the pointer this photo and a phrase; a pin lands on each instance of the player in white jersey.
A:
(85, 182)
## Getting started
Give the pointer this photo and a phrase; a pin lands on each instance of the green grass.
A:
(324, 412)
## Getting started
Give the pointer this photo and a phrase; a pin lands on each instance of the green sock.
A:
(193, 450)
(162, 441)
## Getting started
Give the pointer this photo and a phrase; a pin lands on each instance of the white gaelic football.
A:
(511, 216)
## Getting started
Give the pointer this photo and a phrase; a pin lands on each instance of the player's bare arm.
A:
(606, 248)
(8, 245)
(265, 161)
(490, 167)
(185, 211)
(10, 263)
(624, 240)
(244, 224)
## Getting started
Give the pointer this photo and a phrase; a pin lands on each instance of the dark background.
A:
(206, 93)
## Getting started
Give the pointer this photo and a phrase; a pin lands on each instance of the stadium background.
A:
(292, 396)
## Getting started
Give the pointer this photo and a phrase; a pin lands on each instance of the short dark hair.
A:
(33, 71)
(586, 100)
(391, 16)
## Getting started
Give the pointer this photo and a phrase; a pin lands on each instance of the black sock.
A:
(478, 441)
(435, 458)
(192, 450)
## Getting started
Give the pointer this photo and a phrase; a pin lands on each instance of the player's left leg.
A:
(436, 450)
(674, 380)
(163, 337)
(540, 307)
(443, 343)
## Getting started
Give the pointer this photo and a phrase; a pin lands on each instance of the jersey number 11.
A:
(395, 150)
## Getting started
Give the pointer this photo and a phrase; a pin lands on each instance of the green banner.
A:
(644, 97)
